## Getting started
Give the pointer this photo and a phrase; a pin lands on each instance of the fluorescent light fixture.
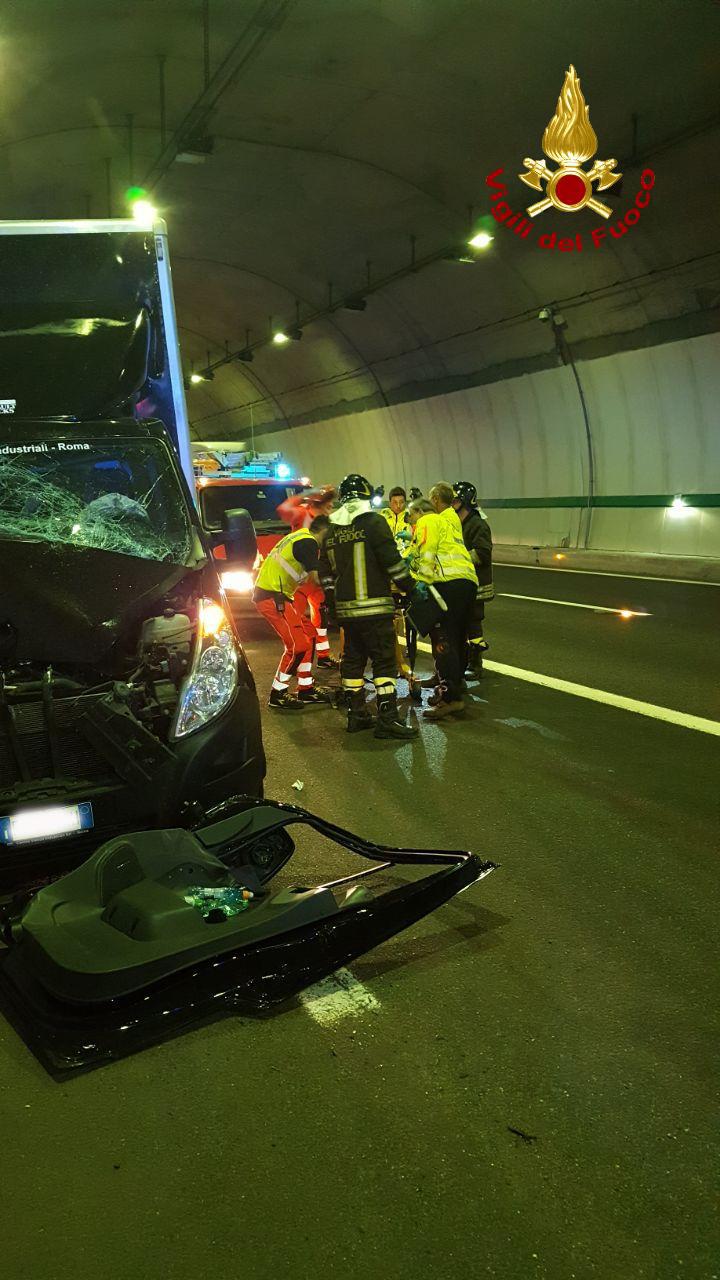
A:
(679, 508)
(280, 338)
(196, 377)
(480, 240)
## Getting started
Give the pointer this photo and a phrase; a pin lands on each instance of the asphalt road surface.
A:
(524, 1084)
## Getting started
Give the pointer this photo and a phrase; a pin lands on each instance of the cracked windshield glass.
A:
(119, 496)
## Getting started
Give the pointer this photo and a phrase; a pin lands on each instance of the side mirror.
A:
(238, 537)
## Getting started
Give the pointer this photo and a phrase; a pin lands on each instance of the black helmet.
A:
(466, 493)
(415, 493)
(355, 486)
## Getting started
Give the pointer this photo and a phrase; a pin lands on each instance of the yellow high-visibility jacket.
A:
(280, 572)
(438, 552)
(396, 522)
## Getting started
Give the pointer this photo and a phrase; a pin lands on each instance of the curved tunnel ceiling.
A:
(345, 138)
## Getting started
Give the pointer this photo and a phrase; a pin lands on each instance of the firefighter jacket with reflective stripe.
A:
(478, 540)
(360, 560)
(439, 553)
(280, 572)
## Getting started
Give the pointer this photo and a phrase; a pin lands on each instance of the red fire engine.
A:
(259, 483)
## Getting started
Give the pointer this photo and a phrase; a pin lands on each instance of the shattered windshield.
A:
(112, 495)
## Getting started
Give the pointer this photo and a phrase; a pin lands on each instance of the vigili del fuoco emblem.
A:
(571, 141)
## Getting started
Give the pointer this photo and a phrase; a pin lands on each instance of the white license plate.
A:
(49, 823)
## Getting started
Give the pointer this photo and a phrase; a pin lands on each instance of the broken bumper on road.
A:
(111, 959)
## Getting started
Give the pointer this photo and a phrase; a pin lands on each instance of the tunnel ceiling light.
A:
(281, 337)
(354, 304)
(480, 240)
(246, 355)
(196, 377)
(206, 375)
(459, 253)
(195, 150)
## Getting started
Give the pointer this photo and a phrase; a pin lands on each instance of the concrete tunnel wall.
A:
(653, 417)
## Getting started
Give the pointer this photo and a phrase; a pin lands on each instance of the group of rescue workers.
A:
(385, 576)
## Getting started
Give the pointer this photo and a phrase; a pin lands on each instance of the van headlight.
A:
(211, 683)
(240, 581)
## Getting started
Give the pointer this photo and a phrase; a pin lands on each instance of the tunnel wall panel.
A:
(653, 417)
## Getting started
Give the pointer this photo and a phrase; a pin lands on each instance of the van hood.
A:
(79, 606)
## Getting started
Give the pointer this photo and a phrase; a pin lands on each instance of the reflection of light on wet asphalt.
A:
(336, 997)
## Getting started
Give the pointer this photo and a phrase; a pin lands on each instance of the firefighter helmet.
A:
(465, 493)
(355, 486)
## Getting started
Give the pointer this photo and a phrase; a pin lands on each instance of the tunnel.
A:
(397, 245)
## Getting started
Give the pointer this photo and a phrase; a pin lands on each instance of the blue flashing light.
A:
(283, 471)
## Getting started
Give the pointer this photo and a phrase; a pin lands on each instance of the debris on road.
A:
(526, 1137)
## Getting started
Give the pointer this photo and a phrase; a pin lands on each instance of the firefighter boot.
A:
(358, 715)
(388, 723)
(476, 649)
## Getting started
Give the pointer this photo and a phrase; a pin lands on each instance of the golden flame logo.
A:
(570, 140)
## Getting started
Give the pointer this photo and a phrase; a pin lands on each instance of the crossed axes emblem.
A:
(537, 172)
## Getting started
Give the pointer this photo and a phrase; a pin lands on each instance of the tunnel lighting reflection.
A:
(559, 555)
(626, 613)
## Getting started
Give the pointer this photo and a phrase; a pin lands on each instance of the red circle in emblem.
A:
(570, 189)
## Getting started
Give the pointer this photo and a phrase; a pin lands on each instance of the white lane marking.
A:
(682, 718)
(336, 997)
(575, 604)
(605, 573)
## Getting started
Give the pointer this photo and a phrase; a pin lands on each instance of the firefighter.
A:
(478, 540)
(292, 561)
(361, 563)
(441, 560)
(299, 510)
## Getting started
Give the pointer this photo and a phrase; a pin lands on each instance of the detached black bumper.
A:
(71, 1037)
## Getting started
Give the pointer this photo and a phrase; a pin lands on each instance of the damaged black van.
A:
(126, 701)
